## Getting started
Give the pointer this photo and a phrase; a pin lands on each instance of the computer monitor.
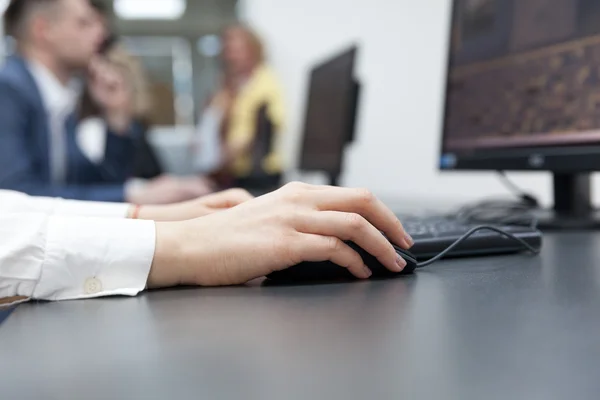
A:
(331, 111)
(523, 93)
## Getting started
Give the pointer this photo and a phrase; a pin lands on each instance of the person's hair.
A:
(254, 40)
(135, 75)
(17, 13)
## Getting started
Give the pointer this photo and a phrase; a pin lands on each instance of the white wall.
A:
(402, 64)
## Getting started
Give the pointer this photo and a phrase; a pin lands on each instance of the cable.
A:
(525, 197)
(497, 206)
(467, 235)
(496, 212)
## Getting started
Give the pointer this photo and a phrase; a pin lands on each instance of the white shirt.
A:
(54, 249)
(59, 102)
(91, 138)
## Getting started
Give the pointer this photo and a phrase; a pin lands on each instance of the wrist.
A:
(159, 213)
(168, 258)
(134, 212)
(173, 212)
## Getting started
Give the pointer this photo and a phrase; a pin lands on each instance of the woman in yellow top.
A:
(248, 113)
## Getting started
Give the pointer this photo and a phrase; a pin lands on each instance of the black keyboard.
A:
(434, 234)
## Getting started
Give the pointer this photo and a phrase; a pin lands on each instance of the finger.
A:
(164, 178)
(199, 180)
(196, 190)
(228, 199)
(363, 202)
(316, 248)
(354, 228)
(183, 195)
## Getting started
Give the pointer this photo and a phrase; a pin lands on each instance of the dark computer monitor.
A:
(331, 111)
(523, 93)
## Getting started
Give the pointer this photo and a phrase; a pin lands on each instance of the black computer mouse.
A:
(328, 271)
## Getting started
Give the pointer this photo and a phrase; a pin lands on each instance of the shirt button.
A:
(93, 286)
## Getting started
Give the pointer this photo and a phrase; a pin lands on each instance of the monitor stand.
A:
(573, 208)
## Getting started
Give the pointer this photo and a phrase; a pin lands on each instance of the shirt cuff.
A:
(74, 208)
(92, 257)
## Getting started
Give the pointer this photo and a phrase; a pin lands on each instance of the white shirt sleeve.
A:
(15, 202)
(48, 251)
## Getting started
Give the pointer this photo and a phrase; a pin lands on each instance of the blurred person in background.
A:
(240, 130)
(40, 153)
(92, 128)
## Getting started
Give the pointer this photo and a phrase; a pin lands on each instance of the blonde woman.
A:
(114, 58)
(246, 114)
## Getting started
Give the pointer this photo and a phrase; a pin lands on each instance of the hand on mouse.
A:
(294, 224)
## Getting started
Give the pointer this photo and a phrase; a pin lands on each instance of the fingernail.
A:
(401, 263)
(367, 271)
(409, 240)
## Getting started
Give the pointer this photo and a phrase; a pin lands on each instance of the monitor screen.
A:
(523, 87)
(330, 113)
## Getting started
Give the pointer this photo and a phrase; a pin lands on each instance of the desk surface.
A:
(514, 327)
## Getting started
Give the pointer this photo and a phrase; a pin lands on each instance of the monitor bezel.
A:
(552, 158)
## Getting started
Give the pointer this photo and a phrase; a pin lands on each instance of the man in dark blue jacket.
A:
(40, 151)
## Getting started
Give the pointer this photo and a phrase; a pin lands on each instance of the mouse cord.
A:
(527, 198)
(497, 211)
(501, 216)
(473, 231)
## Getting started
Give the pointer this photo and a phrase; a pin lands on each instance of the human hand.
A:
(195, 208)
(168, 190)
(111, 91)
(294, 224)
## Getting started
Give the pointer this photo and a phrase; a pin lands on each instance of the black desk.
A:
(514, 327)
